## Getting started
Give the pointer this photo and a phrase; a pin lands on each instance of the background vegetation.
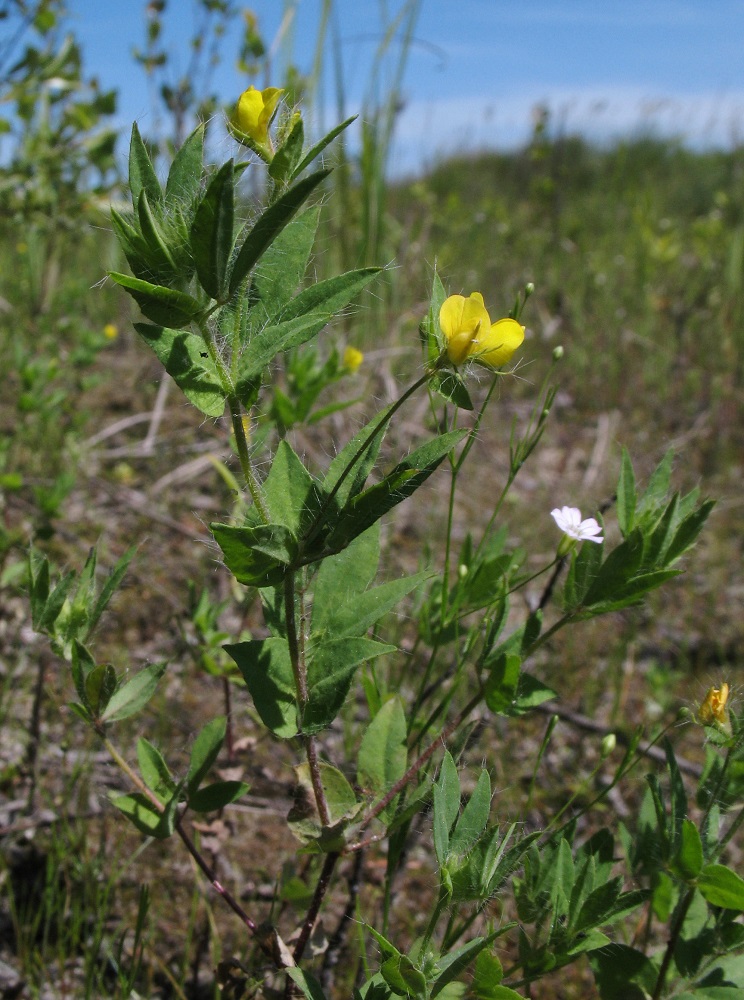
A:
(637, 255)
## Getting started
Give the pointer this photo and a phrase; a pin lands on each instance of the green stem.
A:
(185, 838)
(295, 645)
(245, 458)
(679, 920)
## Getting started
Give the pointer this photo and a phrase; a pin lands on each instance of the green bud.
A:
(558, 352)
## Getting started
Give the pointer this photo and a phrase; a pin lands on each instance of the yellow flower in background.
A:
(471, 335)
(255, 113)
(713, 708)
(111, 331)
(352, 359)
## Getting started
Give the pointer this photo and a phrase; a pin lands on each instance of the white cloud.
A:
(428, 130)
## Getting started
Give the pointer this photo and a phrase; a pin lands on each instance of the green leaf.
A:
(144, 815)
(160, 258)
(269, 225)
(687, 533)
(164, 306)
(135, 694)
(473, 820)
(111, 585)
(216, 796)
(212, 233)
(341, 802)
(373, 503)
(722, 887)
(282, 269)
(290, 492)
(446, 806)
(256, 556)
(267, 672)
(184, 176)
(623, 973)
(383, 752)
(153, 768)
(301, 319)
(142, 176)
(356, 458)
(455, 962)
(451, 387)
(657, 488)
(342, 604)
(100, 684)
(403, 977)
(626, 497)
(81, 666)
(500, 689)
(331, 668)
(319, 146)
(185, 357)
(205, 751)
(582, 573)
(307, 983)
(288, 155)
(531, 692)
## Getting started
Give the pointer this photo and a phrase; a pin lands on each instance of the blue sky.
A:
(477, 68)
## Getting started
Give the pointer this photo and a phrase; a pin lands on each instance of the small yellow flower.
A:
(352, 359)
(713, 708)
(471, 335)
(253, 117)
(111, 331)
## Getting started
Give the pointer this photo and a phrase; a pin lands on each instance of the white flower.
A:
(569, 521)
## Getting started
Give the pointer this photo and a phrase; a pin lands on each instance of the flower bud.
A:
(558, 352)
(608, 745)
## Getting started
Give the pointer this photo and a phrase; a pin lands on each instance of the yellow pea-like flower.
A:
(352, 359)
(713, 708)
(254, 115)
(471, 336)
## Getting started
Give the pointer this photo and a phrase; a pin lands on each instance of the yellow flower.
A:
(713, 708)
(111, 331)
(471, 335)
(352, 359)
(253, 116)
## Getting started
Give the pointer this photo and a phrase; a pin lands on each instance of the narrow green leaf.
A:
(153, 768)
(185, 357)
(722, 887)
(474, 818)
(626, 497)
(347, 484)
(165, 306)
(301, 319)
(212, 233)
(373, 503)
(100, 685)
(216, 796)
(319, 146)
(269, 225)
(142, 176)
(456, 962)
(446, 806)
(157, 243)
(687, 533)
(288, 155)
(184, 176)
(82, 663)
(111, 585)
(205, 751)
(54, 603)
(135, 694)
